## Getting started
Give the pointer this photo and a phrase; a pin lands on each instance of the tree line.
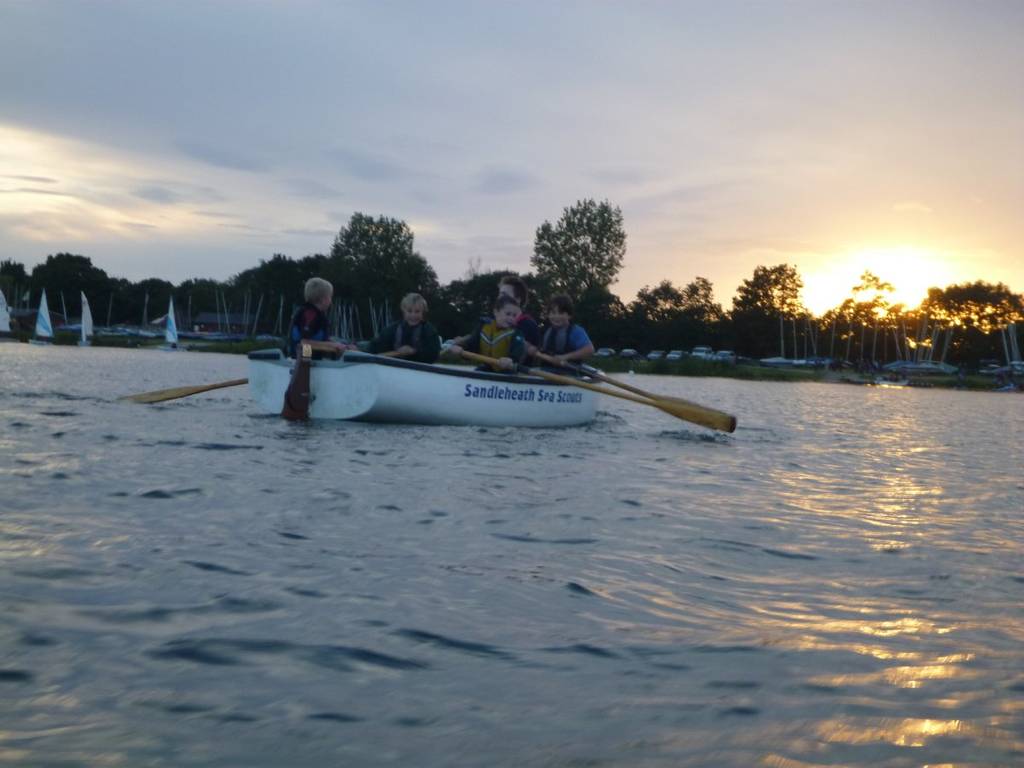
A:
(373, 263)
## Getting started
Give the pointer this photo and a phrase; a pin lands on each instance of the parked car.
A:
(629, 354)
(605, 352)
(724, 356)
(675, 355)
(656, 354)
(702, 353)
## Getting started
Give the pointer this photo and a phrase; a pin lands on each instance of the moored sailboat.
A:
(5, 319)
(44, 327)
(170, 329)
(86, 323)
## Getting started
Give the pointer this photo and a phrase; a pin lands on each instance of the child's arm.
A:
(578, 355)
(469, 342)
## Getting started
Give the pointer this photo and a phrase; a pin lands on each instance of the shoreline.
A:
(689, 367)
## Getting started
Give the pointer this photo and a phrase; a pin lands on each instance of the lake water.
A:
(840, 582)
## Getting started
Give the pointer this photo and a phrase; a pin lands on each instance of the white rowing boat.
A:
(366, 387)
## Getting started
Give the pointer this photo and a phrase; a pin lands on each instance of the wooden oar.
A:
(175, 393)
(697, 414)
(160, 395)
(594, 373)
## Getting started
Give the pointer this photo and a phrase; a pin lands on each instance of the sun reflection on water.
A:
(912, 732)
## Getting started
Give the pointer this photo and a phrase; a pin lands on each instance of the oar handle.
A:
(484, 360)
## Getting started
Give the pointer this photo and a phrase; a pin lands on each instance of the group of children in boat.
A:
(509, 335)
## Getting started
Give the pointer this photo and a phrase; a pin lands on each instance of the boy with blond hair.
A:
(412, 338)
(310, 320)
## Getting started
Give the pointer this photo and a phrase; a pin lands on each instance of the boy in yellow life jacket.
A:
(497, 338)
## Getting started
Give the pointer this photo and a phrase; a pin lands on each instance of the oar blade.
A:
(697, 414)
(175, 393)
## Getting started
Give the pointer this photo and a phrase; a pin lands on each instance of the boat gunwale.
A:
(364, 358)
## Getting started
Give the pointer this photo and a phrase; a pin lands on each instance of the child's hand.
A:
(530, 349)
(454, 349)
(506, 364)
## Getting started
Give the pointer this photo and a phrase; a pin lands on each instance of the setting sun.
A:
(910, 270)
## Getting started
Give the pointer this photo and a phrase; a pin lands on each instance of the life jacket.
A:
(307, 323)
(408, 335)
(556, 340)
(495, 341)
(528, 329)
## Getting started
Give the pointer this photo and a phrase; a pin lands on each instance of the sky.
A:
(192, 139)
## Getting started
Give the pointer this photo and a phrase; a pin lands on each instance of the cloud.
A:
(311, 232)
(217, 214)
(617, 176)
(171, 193)
(33, 191)
(155, 194)
(221, 157)
(911, 206)
(370, 166)
(313, 188)
(503, 182)
(33, 179)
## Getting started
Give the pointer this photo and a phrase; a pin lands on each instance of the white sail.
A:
(86, 321)
(5, 315)
(171, 330)
(44, 328)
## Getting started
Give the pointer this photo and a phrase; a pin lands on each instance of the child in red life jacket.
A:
(496, 338)
(310, 320)
(562, 341)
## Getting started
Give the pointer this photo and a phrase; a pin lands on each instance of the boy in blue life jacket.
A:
(497, 337)
(413, 338)
(562, 341)
(310, 320)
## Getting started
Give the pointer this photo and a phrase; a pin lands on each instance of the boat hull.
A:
(364, 387)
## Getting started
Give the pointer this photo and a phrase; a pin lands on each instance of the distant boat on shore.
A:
(907, 368)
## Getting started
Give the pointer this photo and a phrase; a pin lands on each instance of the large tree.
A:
(374, 258)
(272, 288)
(584, 250)
(770, 294)
(980, 305)
(667, 317)
(601, 313)
(69, 274)
(979, 312)
(13, 281)
(772, 291)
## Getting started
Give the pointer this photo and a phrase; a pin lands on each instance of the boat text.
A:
(504, 392)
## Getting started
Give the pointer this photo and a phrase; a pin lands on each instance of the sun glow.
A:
(910, 270)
